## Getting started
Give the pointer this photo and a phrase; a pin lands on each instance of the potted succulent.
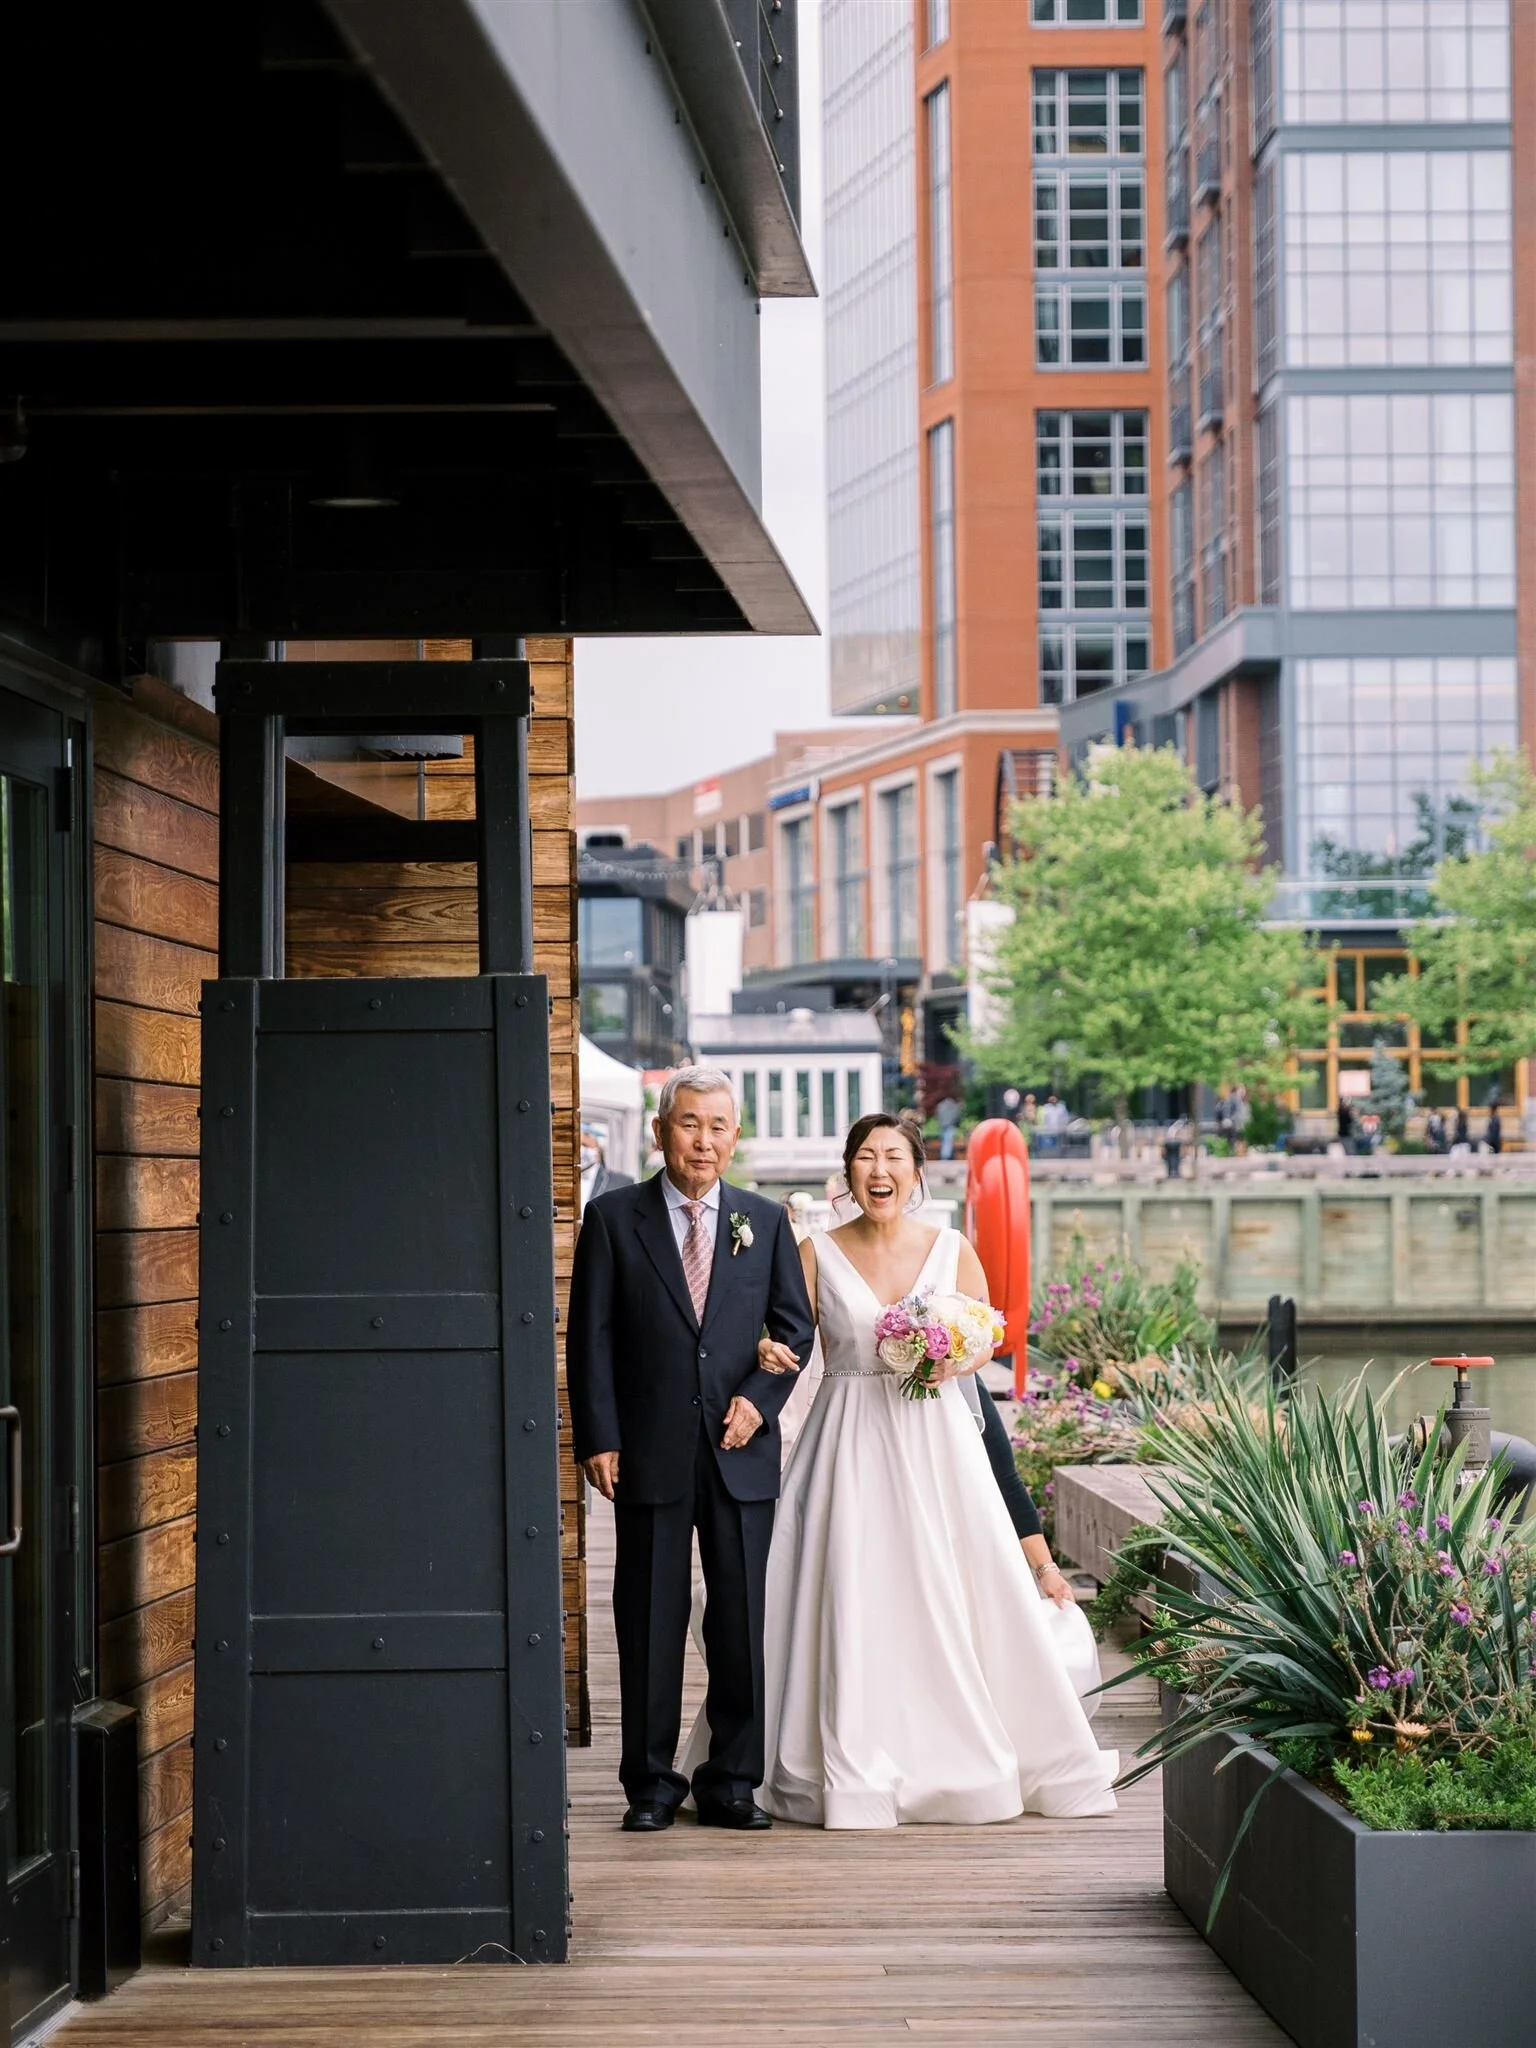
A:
(1349, 1743)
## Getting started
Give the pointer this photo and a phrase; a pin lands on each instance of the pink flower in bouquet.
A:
(893, 1322)
(938, 1340)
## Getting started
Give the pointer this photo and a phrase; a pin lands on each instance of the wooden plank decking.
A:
(1039, 1932)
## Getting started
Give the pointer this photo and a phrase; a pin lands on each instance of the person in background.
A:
(1434, 1132)
(948, 1113)
(1242, 1114)
(1463, 1132)
(1346, 1124)
(798, 1206)
(597, 1176)
(1494, 1129)
(1019, 1502)
(1029, 1115)
(1011, 1108)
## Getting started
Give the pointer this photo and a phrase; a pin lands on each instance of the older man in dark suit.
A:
(676, 1422)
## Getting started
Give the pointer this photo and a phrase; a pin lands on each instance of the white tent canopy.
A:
(613, 1101)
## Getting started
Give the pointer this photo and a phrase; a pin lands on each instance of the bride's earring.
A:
(918, 1199)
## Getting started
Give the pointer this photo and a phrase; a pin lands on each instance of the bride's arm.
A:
(772, 1357)
(971, 1280)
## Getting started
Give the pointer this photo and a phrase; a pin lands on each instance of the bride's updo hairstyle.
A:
(885, 1120)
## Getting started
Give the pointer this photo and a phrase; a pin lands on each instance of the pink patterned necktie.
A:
(698, 1257)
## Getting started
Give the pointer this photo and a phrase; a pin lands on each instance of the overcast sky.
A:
(653, 714)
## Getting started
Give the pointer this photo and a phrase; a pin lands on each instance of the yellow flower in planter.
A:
(1361, 1735)
(1103, 1391)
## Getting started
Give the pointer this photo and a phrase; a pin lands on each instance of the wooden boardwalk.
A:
(1049, 1933)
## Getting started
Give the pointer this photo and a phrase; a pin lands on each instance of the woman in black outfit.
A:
(1025, 1515)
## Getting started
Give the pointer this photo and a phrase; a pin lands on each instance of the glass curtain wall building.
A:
(870, 284)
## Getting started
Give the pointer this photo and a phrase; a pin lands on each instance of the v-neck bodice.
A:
(847, 1305)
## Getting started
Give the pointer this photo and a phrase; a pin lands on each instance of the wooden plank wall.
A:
(420, 918)
(155, 824)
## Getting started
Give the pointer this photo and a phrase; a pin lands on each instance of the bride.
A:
(911, 1674)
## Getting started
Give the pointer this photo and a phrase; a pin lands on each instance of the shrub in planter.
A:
(1367, 1618)
(1098, 1313)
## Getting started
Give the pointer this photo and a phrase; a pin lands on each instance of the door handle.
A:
(11, 1417)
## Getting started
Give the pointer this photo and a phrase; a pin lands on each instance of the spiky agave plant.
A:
(1355, 1595)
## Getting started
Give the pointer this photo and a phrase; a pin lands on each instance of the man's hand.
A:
(742, 1422)
(773, 1357)
(603, 1471)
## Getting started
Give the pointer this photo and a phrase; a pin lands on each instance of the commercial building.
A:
(1347, 278)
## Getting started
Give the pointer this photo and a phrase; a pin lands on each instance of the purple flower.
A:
(1494, 1522)
(1421, 1533)
(1050, 1486)
(1366, 1507)
(1445, 1567)
(1348, 1557)
(1406, 1677)
(1494, 1564)
(1461, 1613)
(1408, 1500)
(1403, 1528)
(1379, 1678)
(1442, 1522)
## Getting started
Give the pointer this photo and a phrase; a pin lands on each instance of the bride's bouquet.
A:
(925, 1329)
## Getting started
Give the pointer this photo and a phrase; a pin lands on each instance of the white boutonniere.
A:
(741, 1232)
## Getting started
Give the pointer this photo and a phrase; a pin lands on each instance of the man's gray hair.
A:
(696, 1081)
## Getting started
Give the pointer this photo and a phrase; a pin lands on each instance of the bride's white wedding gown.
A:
(911, 1673)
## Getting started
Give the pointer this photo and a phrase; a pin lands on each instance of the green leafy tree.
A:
(1477, 952)
(1138, 955)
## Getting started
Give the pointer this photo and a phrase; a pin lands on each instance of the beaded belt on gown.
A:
(857, 1372)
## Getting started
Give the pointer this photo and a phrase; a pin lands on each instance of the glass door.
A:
(37, 1342)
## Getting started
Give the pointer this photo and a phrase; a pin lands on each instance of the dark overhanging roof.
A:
(214, 314)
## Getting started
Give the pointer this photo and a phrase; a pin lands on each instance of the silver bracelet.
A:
(1040, 1570)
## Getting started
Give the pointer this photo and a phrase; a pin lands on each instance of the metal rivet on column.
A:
(220, 1742)
(530, 1530)
(216, 1943)
(225, 1323)
(223, 1429)
(226, 1004)
(219, 1842)
(378, 1642)
(525, 1105)
(379, 1941)
(539, 1934)
(223, 1536)
(535, 1736)
(525, 1212)
(227, 1110)
(533, 1642)
(226, 1215)
(522, 1002)
(377, 1323)
(530, 1424)
(222, 1643)
(538, 1834)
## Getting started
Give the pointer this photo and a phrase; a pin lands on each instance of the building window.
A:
(802, 1104)
(800, 889)
(1090, 327)
(1400, 258)
(605, 1009)
(898, 819)
(757, 832)
(757, 908)
(1091, 454)
(828, 1103)
(1269, 505)
(1085, 13)
(938, 22)
(749, 1103)
(1077, 661)
(941, 492)
(1261, 19)
(946, 791)
(1265, 277)
(775, 1103)
(1213, 532)
(1382, 752)
(1176, 158)
(609, 931)
(1090, 220)
(853, 1082)
(1181, 540)
(1209, 270)
(1402, 498)
(1088, 113)
(941, 247)
(846, 827)
(1093, 561)
(1395, 60)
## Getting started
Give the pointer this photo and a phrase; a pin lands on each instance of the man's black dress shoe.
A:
(648, 1820)
(744, 1814)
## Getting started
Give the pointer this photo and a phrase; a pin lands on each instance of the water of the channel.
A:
(1509, 1389)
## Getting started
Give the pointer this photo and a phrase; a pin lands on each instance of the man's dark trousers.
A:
(652, 1599)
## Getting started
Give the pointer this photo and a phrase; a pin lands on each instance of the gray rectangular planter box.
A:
(1350, 1937)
